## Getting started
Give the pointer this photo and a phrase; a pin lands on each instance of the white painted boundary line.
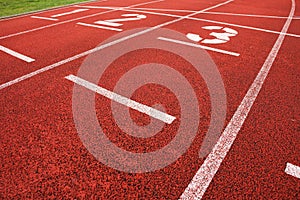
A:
(247, 15)
(16, 54)
(12, 17)
(45, 18)
(214, 13)
(27, 76)
(292, 170)
(204, 20)
(164, 117)
(209, 168)
(151, 9)
(75, 19)
(199, 46)
(69, 13)
(191, 11)
(100, 27)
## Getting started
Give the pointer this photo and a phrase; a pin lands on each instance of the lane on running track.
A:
(43, 154)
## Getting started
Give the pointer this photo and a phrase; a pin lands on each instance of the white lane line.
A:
(69, 13)
(168, 10)
(292, 170)
(191, 11)
(247, 15)
(45, 18)
(209, 168)
(166, 118)
(16, 54)
(75, 19)
(100, 27)
(199, 46)
(27, 76)
(214, 13)
(154, 9)
(205, 20)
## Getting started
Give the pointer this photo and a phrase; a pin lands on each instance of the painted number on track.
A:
(220, 37)
(111, 24)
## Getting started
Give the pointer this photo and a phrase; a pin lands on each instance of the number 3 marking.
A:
(220, 38)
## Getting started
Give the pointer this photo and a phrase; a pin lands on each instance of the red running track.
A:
(42, 155)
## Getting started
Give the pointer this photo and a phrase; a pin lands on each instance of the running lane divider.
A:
(209, 168)
(44, 69)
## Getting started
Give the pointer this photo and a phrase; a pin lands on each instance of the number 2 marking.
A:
(110, 24)
(220, 38)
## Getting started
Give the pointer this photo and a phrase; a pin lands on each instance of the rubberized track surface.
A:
(42, 155)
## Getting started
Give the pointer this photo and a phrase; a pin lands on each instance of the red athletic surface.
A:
(43, 157)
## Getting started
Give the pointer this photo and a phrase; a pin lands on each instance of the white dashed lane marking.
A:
(292, 170)
(16, 54)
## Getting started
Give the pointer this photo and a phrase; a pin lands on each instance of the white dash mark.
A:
(71, 12)
(123, 100)
(100, 27)
(45, 18)
(16, 54)
(292, 170)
